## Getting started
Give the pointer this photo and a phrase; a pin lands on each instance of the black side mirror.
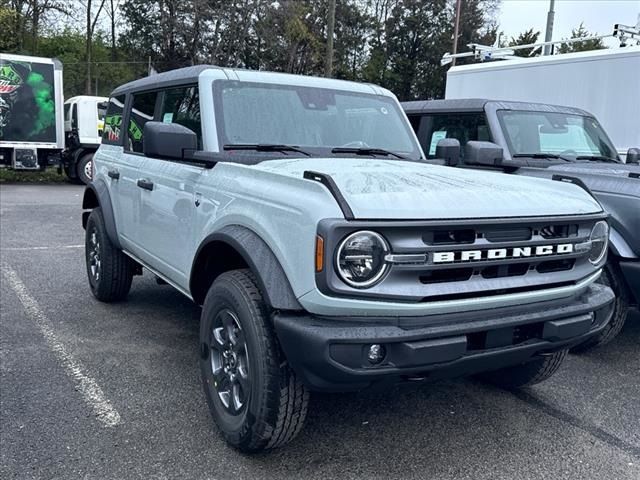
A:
(633, 155)
(449, 150)
(483, 153)
(167, 140)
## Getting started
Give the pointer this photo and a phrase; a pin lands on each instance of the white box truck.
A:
(606, 83)
(31, 111)
(83, 126)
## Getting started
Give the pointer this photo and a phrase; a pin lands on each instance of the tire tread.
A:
(117, 268)
(287, 398)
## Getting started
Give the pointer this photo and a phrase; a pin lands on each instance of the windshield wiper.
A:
(541, 155)
(366, 151)
(597, 158)
(265, 147)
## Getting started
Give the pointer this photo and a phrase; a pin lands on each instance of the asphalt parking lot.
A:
(89, 390)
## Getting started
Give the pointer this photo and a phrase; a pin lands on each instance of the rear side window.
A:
(142, 110)
(112, 134)
(464, 127)
(182, 105)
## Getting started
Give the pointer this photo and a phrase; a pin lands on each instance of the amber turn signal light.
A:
(319, 253)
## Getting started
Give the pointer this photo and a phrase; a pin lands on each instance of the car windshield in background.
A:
(552, 134)
(314, 119)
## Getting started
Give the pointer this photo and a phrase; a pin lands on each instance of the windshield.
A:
(314, 119)
(570, 136)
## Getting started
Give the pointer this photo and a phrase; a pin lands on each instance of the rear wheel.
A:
(109, 270)
(84, 168)
(611, 277)
(528, 373)
(253, 395)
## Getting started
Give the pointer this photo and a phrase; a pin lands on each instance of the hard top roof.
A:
(460, 105)
(188, 75)
(165, 79)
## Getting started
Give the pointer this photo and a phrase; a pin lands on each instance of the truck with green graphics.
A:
(31, 111)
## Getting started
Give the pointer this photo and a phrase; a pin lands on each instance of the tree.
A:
(91, 26)
(112, 12)
(582, 32)
(525, 38)
(21, 22)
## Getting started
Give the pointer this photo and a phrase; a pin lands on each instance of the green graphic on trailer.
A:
(27, 105)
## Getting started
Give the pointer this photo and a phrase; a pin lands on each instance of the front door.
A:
(169, 203)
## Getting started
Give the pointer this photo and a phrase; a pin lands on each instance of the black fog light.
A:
(376, 353)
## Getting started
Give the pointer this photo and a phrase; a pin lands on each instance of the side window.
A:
(74, 116)
(112, 134)
(182, 105)
(142, 110)
(463, 127)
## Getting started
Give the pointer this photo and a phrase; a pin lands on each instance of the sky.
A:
(598, 16)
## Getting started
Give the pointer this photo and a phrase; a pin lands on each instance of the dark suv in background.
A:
(547, 141)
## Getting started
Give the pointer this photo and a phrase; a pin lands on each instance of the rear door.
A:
(168, 208)
(141, 108)
(113, 167)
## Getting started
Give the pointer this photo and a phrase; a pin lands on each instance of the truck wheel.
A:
(84, 168)
(253, 395)
(110, 271)
(611, 277)
(528, 373)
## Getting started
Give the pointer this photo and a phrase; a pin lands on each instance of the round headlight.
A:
(360, 259)
(599, 241)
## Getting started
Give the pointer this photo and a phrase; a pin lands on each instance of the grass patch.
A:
(49, 175)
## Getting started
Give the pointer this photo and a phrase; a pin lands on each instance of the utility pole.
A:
(331, 22)
(549, 32)
(456, 30)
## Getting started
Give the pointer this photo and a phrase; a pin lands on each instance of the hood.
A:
(394, 189)
(602, 177)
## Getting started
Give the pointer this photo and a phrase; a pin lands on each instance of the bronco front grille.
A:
(470, 259)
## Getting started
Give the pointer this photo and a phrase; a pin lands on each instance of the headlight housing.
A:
(360, 259)
(599, 239)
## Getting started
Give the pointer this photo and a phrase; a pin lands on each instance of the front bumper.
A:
(631, 271)
(330, 354)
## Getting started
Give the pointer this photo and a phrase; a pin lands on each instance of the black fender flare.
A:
(272, 280)
(96, 194)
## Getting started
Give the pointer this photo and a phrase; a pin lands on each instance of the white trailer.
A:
(605, 83)
(31, 111)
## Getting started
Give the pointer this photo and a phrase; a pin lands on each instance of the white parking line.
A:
(87, 386)
(60, 247)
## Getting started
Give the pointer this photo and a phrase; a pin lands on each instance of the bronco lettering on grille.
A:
(502, 253)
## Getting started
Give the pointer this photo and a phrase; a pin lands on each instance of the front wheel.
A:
(253, 395)
(84, 168)
(526, 374)
(611, 277)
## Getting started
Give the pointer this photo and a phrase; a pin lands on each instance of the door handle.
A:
(114, 174)
(146, 184)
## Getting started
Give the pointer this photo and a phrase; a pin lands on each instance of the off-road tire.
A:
(81, 168)
(526, 374)
(115, 270)
(611, 277)
(277, 405)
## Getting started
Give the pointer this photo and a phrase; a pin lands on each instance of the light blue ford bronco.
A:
(326, 254)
